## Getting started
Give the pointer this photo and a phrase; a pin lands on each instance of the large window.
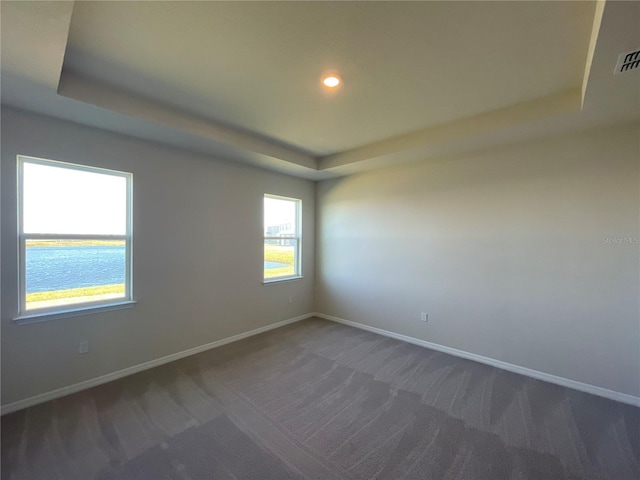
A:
(282, 220)
(74, 236)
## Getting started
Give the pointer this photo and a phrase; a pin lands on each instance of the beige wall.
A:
(197, 257)
(506, 251)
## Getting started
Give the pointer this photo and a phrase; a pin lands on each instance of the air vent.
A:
(628, 61)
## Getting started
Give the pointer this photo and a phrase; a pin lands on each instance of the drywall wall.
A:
(528, 255)
(197, 257)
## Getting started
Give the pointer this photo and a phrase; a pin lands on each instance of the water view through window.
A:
(281, 237)
(74, 235)
(62, 272)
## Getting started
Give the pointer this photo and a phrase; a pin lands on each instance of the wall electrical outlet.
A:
(424, 317)
(290, 299)
(83, 347)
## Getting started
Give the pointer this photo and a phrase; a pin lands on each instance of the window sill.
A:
(280, 280)
(72, 312)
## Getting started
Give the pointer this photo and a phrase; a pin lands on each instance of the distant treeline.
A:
(75, 243)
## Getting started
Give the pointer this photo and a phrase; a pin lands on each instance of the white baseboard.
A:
(565, 382)
(93, 382)
(547, 377)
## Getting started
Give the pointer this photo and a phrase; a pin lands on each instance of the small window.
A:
(281, 238)
(74, 236)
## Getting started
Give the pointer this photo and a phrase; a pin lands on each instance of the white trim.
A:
(564, 382)
(297, 237)
(547, 377)
(93, 382)
(24, 237)
(73, 166)
(281, 279)
(85, 309)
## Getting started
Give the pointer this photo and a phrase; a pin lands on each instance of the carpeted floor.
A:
(324, 401)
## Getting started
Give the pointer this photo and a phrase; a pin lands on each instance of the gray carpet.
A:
(320, 400)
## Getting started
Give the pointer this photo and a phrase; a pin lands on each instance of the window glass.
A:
(281, 237)
(75, 236)
(64, 200)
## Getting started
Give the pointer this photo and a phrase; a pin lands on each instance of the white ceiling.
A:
(241, 80)
(405, 65)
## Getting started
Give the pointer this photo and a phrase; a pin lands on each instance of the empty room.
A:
(320, 240)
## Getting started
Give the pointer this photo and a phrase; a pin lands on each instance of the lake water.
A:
(268, 265)
(60, 268)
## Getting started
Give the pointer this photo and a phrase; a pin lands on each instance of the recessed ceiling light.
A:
(331, 81)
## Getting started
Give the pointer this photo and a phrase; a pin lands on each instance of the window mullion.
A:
(71, 236)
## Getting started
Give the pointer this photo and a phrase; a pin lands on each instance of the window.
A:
(74, 236)
(281, 238)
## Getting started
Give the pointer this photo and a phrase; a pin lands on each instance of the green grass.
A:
(75, 292)
(279, 254)
(279, 272)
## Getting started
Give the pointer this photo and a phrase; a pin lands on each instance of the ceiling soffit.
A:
(596, 94)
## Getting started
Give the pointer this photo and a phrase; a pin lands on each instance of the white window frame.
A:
(297, 238)
(72, 308)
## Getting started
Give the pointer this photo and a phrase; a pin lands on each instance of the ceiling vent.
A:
(628, 61)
